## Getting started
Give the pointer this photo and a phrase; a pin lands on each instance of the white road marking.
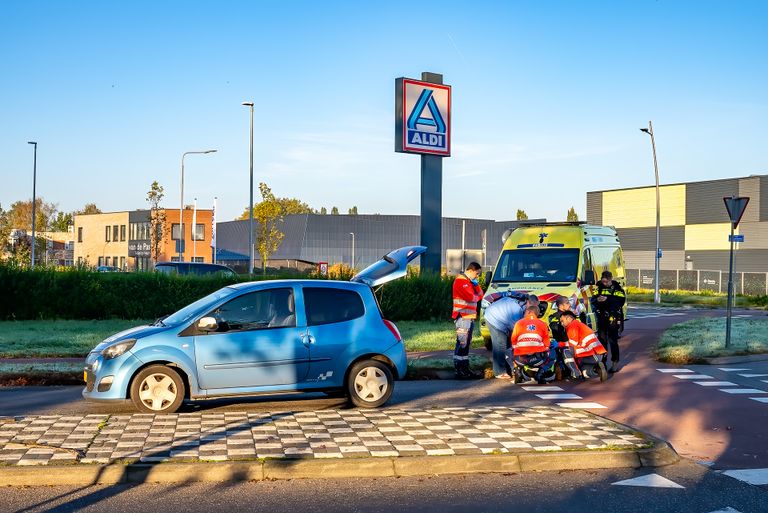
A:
(674, 371)
(753, 476)
(753, 375)
(764, 380)
(716, 383)
(731, 369)
(558, 396)
(742, 391)
(693, 376)
(542, 388)
(650, 480)
(727, 509)
(583, 406)
(760, 399)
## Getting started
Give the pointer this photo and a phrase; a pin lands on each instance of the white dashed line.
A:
(558, 396)
(753, 476)
(583, 406)
(693, 376)
(753, 375)
(650, 481)
(727, 509)
(716, 383)
(542, 388)
(760, 399)
(731, 369)
(674, 371)
(742, 391)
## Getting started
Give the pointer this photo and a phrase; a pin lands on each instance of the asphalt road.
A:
(697, 491)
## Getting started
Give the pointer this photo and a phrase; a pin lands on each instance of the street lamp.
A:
(353, 250)
(34, 200)
(656, 296)
(181, 203)
(251, 255)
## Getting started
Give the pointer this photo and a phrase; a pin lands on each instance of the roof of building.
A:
(681, 183)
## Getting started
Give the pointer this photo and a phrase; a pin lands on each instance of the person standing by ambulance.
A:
(608, 303)
(466, 294)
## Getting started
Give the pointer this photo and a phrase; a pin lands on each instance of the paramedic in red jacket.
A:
(466, 294)
(587, 349)
(531, 345)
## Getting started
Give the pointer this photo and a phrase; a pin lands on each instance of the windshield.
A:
(192, 309)
(530, 265)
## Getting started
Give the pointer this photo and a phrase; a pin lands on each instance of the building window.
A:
(107, 233)
(174, 259)
(175, 231)
(79, 261)
(115, 232)
(122, 263)
(198, 259)
(199, 232)
(115, 261)
(122, 232)
(80, 234)
(132, 231)
(106, 261)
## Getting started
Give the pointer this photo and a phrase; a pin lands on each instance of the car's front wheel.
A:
(157, 389)
(370, 383)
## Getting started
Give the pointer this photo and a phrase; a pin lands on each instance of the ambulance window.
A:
(587, 262)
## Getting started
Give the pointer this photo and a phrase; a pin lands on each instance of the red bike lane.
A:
(703, 423)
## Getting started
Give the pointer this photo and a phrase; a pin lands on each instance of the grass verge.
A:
(433, 335)
(696, 340)
(703, 298)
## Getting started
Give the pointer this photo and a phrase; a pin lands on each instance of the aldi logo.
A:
(423, 117)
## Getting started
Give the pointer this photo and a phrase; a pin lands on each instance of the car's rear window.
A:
(327, 305)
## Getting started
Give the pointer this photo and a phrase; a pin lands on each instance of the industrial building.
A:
(694, 232)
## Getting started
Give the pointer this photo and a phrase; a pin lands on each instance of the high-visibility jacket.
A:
(530, 335)
(466, 295)
(583, 339)
(615, 297)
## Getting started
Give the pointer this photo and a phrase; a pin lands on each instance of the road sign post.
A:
(735, 206)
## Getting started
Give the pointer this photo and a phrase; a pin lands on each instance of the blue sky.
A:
(547, 99)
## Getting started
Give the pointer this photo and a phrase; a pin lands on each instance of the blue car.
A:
(260, 337)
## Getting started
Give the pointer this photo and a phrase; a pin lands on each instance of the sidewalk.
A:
(479, 439)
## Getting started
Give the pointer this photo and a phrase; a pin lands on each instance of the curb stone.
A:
(660, 454)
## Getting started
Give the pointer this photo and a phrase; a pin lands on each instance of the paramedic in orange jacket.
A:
(466, 294)
(531, 345)
(587, 349)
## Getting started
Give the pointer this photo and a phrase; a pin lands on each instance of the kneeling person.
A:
(531, 345)
(587, 349)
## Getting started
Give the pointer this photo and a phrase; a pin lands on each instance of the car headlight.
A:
(118, 349)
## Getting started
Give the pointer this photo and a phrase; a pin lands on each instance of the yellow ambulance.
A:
(556, 259)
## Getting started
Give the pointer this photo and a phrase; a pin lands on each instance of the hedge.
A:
(45, 293)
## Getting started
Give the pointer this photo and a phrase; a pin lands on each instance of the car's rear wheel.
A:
(370, 383)
(157, 389)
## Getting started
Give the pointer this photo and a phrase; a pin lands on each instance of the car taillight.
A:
(391, 326)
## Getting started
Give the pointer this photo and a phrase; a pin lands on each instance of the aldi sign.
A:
(422, 117)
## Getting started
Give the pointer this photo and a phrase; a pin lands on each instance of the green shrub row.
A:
(44, 293)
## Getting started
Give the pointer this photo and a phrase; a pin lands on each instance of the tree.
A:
(323, 211)
(20, 215)
(61, 222)
(158, 228)
(572, 215)
(89, 208)
(288, 206)
(268, 212)
(5, 231)
(353, 211)
(521, 215)
(334, 211)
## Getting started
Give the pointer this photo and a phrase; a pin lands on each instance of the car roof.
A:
(248, 285)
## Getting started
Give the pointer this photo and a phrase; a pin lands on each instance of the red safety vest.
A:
(466, 295)
(529, 336)
(583, 339)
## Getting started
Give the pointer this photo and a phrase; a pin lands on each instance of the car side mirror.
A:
(589, 277)
(207, 324)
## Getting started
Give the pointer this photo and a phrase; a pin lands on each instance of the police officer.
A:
(608, 303)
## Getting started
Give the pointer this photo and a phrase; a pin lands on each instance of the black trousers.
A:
(608, 333)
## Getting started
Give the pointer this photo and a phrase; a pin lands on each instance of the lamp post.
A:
(251, 255)
(34, 200)
(181, 202)
(656, 295)
(353, 250)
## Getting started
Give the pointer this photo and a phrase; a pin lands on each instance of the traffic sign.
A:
(422, 117)
(736, 238)
(736, 207)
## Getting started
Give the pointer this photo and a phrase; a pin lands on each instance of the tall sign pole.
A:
(423, 126)
(735, 207)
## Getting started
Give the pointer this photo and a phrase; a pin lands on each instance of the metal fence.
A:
(750, 284)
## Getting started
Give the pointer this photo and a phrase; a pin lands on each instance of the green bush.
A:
(47, 293)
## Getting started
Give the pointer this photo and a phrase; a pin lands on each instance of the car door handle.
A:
(307, 339)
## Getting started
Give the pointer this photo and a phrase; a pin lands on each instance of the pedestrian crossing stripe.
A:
(753, 375)
(753, 476)
(583, 406)
(742, 391)
(558, 396)
(674, 371)
(716, 383)
(692, 376)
